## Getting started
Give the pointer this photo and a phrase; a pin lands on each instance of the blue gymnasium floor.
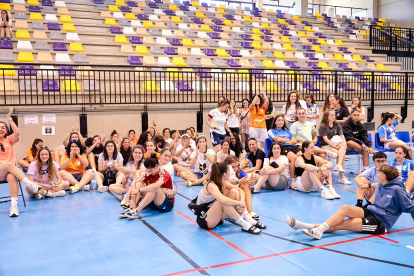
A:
(81, 234)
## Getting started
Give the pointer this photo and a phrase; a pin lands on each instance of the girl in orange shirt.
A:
(31, 154)
(257, 110)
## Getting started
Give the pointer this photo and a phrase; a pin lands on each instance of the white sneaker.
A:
(39, 196)
(103, 189)
(291, 222)
(293, 184)
(312, 233)
(331, 154)
(326, 194)
(14, 211)
(339, 168)
(344, 180)
(124, 200)
(74, 189)
(34, 188)
(333, 192)
(59, 193)
(87, 187)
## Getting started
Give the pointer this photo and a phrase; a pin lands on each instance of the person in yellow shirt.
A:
(257, 110)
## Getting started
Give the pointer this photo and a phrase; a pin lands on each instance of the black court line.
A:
(168, 242)
(326, 249)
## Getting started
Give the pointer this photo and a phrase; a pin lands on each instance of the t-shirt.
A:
(8, 154)
(131, 166)
(371, 174)
(233, 175)
(125, 155)
(335, 130)
(96, 152)
(404, 169)
(133, 142)
(257, 118)
(303, 131)
(75, 165)
(221, 156)
(270, 120)
(168, 168)
(312, 110)
(233, 121)
(44, 179)
(202, 164)
(233, 149)
(161, 175)
(101, 161)
(184, 158)
(260, 155)
(290, 114)
(281, 133)
(387, 132)
(169, 140)
(281, 160)
(218, 120)
(30, 153)
(341, 113)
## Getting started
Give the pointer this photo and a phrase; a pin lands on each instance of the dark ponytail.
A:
(151, 162)
(217, 171)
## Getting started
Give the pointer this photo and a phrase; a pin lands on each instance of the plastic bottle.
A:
(123, 192)
(93, 183)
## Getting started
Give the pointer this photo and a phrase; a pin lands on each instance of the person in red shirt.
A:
(155, 188)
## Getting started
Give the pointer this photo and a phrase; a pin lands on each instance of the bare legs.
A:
(359, 149)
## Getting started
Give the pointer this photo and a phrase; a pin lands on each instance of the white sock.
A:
(244, 223)
(27, 181)
(247, 217)
(322, 188)
(303, 225)
(13, 201)
(322, 228)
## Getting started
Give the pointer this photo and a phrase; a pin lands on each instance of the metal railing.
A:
(109, 86)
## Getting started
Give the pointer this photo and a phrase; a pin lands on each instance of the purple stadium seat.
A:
(247, 37)
(131, 4)
(349, 31)
(34, 9)
(175, 42)
(344, 66)
(49, 3)
(344, 50)
(366, 86)
(135, 40)
(291, 22)
(66, 71)
(187, 3)
(210, 52)
(308, 48)
(153, 5)
(360, 76)
(198, 20)
(169, 12)
(344, 86)
(317, 75)
(234, 53)
(367, 58)
(284, 27)
(170, 51)
(214, 35)
(246, 45)
(233, 63)
(306, 23)
(218, 22)
(158, 1)
(267, 32)
(142, 16)
(216, 28)
(50, 86)
(203, 73)
(27, 70)
(314, 41)
(59, 46)
(313, 65)
(125, 9)
(53, 26)
(183, 86)
(331, 25)
(6, 44)
(205, 5)
(258, 74)
(281, 16)
(183, 8)
(285, 33)
(320, 35)
(292, 65)
(266, 38)
(115, 30)
(386, 86)
(229, 17)
(134, 60)
(310, 56)
(309, 86)
(411, 85)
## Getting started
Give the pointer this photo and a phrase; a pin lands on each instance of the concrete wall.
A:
(399, 12)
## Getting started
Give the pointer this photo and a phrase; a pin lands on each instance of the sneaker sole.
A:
(102, 189)
(290, 224)
(306, 232)
(14, 215)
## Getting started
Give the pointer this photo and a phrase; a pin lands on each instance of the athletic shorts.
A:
(78, 177)
(260, 134)
(290, 148)
(300, 186)
(216, 138)
(199, 175)
(201, 221)
(166, 206)
(233, 129)
(281, 185)
(372, 224)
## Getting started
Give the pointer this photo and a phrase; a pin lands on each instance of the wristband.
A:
(369, 185)
(237, 181)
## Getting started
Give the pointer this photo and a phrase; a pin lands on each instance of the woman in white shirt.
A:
(233, 115)
(275, 172)
(217, 121)
(292, 105)
(357, 104)
(225, 151)
(5, 26)
(109, 163)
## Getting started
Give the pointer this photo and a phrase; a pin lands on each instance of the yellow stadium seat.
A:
(151, 86)
(228, 23)
(257, 45)
(173, 73)
(303, 34)
(7, 86)
(317, 14)
(142, 50)
(121, 39)
(71, 86)
(176, 19)
(244, 73)
(358, 58)
(324, 65)
(279, 55)
(130, 16)
(33, 2)
(257, 38)
(36, 16)
(363, 32)
(25, 57)
(309, 29)
(340, 43)
(221, 11)
(282, 21)
(173, 7)
(195, 3)
(381, 67)
(339, 57)
(257, 31)
(397, 87)
(110, 22)
(120, 3)
(288, 47)
(5, 6)
(179, 61)
(188, 42)
(222, 53)
(247, 18)
(286, 39)
(272, 87)
(206, 28)
(113, 8)
(68, 27)
(66, 18)
(22, 34)
(323, 42)
(296, 17)
(317, 49)
(148, 24)
(5, 72)
(200, 15)
(76, 47)
(269, 64)
(266, 26)
(221, 6)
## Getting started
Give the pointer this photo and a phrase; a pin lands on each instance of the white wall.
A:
(399, 12)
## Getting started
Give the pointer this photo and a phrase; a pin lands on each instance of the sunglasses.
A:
(2, 148)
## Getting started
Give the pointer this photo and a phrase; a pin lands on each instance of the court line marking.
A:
(388, 240)
(169, 243)
(343, 189)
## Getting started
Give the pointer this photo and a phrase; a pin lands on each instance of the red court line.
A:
(388, 240)
(343, 189)
(295, 251)
(187, 271)
(241, 251)
(193, 221)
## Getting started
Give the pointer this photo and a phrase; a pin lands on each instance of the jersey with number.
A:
(404, 169)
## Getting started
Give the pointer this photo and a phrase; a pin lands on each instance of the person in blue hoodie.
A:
(391, 199)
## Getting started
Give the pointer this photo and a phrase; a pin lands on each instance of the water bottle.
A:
(93, 183)
(123, 191)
